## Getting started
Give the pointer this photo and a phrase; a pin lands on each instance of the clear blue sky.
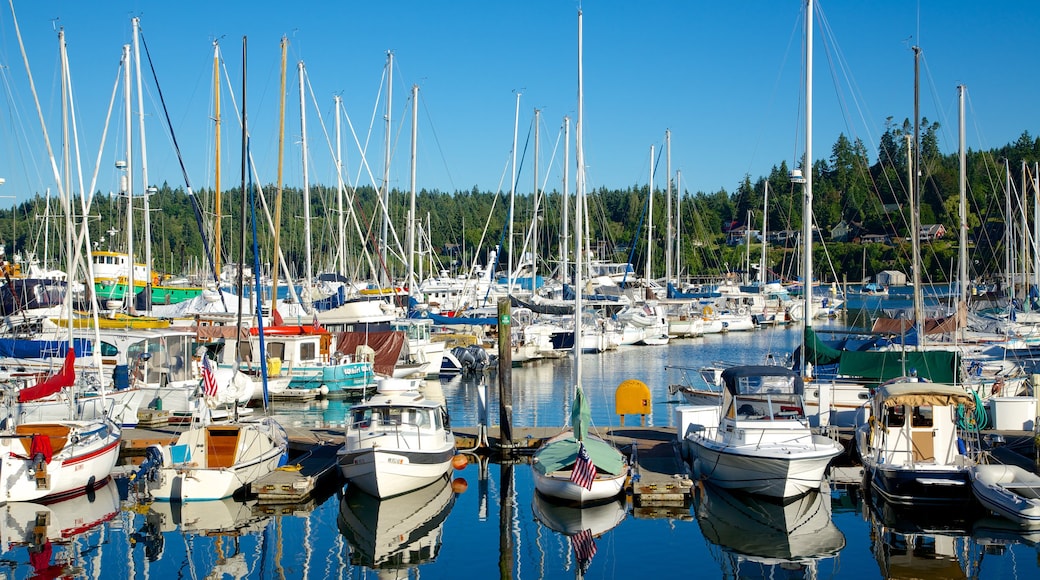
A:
(724, 77)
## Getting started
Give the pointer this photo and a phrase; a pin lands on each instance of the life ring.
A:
(708, 311)
(742, 310)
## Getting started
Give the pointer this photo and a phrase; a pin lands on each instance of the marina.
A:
(494, 518)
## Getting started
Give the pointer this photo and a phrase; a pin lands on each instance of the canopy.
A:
(562, 454)
(923, 393)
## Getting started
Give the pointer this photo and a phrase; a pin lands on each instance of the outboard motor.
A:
(149, 470)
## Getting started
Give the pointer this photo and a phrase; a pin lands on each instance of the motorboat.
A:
(396, 441)
(911, 447)
(758, 439)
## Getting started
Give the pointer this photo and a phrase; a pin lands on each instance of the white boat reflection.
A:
(222, 516)
(398, 533)
(32, 524)
(569, 519)
(758, 534)
(40, 527)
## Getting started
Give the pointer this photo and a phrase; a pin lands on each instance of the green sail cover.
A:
(938, 366)
(560, 455)
(581, 415)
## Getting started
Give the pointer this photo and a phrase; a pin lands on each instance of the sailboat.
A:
(575, 465)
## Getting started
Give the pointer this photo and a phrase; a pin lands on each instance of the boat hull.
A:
(771, 470)
(386, 473)
(1008, 491)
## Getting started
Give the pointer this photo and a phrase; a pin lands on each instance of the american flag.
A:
(584, 549)
(316, 324)
(584, 470)
(209, 380)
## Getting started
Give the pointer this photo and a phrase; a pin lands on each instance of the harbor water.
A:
(488, 522)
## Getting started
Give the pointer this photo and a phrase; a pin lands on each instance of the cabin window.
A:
(108, 349)
(307, 351)
(922, 417)
(276, 350)
(896, 416)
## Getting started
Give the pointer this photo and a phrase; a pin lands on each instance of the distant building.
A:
(931, 232)
(875, 239)
(891, 278)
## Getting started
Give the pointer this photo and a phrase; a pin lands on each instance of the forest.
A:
(862, 210)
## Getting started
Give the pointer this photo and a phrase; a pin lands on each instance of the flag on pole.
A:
(317, 325)
(209, 380)
(584, 549)
(584, 470)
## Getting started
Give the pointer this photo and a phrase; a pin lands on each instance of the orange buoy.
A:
(459, 485)
(459, 461)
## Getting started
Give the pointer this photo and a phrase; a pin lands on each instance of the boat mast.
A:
(579, 238)
(962, 189)
(144, 180)
(915, 196)
(566, 199)
(678, 225)
(669, 244)
(306, 183)
(411, 210)
(278, 197)
(806, 181)
(537, 204)
(648, 275)
(512, 198)
(341, 255)
(128, 184)
(216, 172)
(384, 238)
(762, 278)
(242, 216)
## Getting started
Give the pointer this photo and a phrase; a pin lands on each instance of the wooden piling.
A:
(505, 374)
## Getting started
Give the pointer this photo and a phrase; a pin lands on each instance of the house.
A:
(874, 239)
(891, 278)
(844, 231)
(931, 232)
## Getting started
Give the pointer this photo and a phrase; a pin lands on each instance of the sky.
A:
(724, 78)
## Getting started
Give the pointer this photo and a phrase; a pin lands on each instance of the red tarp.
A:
(47, 387)
(387, 346)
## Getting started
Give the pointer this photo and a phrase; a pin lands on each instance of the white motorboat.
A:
(910, 445)
(1009, 491)
(396, 441)
(760, 439)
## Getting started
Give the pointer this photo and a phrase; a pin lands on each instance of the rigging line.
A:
(184, 173)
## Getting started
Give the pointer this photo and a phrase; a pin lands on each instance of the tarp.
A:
(936, 365)
(902, 325)
(387, 346)
(562, 453)
(441, 320)
(22, 348)
(54, 383)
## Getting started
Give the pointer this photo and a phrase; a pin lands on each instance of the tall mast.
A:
(806, 180)
(566, 198)
(579, 258)
(648, 275)
(384, 237)
(670, 241)
(216, 172)
(129, 182)
(762, 278)
(512, 197)
(144, 178)
(278, 197)
(915, 197)
(306, 182)
(411, 209)
(537, 204)
(962, 190)
(341, 262)
(242, 216)
(678, 224)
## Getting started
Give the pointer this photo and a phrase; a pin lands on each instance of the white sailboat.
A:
(575, 465)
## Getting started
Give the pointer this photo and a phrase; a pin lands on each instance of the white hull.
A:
(1008, 491)
(559, 486)
(213, 462)
(386, 474)
(776, 470)
(84, 453)
(21, 525)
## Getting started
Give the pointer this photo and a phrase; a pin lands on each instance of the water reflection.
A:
(760, 536)
(40, 528)
(396, 534)
(582, 526)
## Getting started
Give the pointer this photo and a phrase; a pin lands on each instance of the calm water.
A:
(497, 528)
